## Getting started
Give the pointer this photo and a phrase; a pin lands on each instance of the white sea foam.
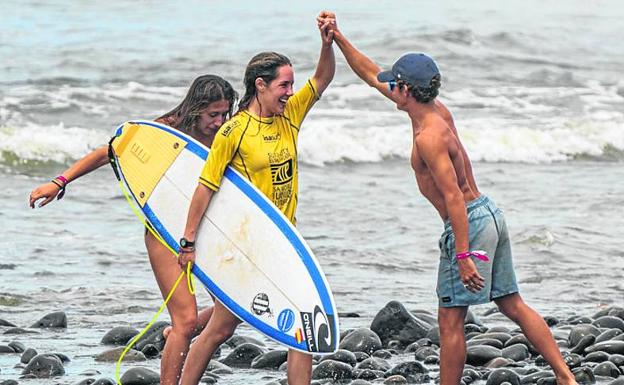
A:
(350, 123)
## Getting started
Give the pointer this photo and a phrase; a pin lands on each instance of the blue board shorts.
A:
(488, 232)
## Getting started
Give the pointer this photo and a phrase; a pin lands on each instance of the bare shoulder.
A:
(434, 136)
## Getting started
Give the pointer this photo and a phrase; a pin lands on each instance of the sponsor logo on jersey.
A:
(272, 138)
(282, 173)
(260, 304)
(225, 130)
(286, 320)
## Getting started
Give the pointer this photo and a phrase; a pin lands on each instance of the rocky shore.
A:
(398, 347)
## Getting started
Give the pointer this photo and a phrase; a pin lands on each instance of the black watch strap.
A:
(185, 243)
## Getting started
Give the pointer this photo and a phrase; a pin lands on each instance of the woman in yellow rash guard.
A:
(260, 142)
(207, 105)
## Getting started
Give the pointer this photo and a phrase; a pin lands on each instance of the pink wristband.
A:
(479, 254)
(62, 179)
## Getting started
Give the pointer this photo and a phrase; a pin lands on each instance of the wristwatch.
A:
(185, 243)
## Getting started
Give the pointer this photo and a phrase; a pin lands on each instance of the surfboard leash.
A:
(189, 281)
(150, 228)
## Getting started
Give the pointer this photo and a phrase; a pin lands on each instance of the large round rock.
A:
(119, 335)
(607, 369)
(44, 366)
(413, 371)
(154, 336)
(53, 320)
(580, 331)
(270, 360)
(517, 352)
(334, 370)
(498, 376)
(609, 322)
(243, 355)
(140, 376)
(611, 347)
(481, 354)
(361, 340)
(395, 322)
(342, 355)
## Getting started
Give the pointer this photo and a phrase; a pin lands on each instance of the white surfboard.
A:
(249, 255)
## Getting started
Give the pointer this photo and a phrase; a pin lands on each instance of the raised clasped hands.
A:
(326, 22)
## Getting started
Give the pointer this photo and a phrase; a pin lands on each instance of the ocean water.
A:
(537, 96)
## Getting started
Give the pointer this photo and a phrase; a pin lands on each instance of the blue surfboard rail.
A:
(278, 218)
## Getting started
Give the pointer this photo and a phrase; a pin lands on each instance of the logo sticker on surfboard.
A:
(260, 304)
(317, 330)
(286, 320)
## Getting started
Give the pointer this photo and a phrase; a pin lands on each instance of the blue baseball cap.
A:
(416, 69)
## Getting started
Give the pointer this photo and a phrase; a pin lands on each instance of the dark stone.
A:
(9, 382)
(333, 369)
(112, 355)
(480, 355)
(432, 360)
(17, 346)
(433, 335)
(383, 353)
(413, 371)
(243, 355)
(44, 366)
(617, 359)
(395, 322)
(6, 323)
(597, 357)
(573, 360)
(395, 380)
(580, 320)
(608, 369)
(498, 376)
(154, 336)
(502, 337)
(366, 374)
(394, 344)
(608, 334)
(498, 362)
(547, 381)
(271, 360)
(551, 321)
(53, 320)
(617, 312)
(104, 381)
(236, 341)
(361, 340)
(605, 311)
(360, 382)
(360, 356)
(611, 347)
(584, 375)
(485, 341)
(585, 342)
(471, 318)
(119, 336)
(64, 359)
(215, 367)
(473, 374)
(348, 315)
(19, 331)
(609, 322)
(425, 352)
(534, 377)
(6, 349)
(150, 351)
(517, 352)
(471, 328)
(374, 364)
(140, 376)
(521, 339)
(580, 331)
(28, 355)
(86, 381)
(342, 355)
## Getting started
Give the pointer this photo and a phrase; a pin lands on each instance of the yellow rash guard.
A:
(264, 150)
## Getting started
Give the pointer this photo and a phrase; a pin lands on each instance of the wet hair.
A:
(204, 90)
(264, 65)
(427, 94)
